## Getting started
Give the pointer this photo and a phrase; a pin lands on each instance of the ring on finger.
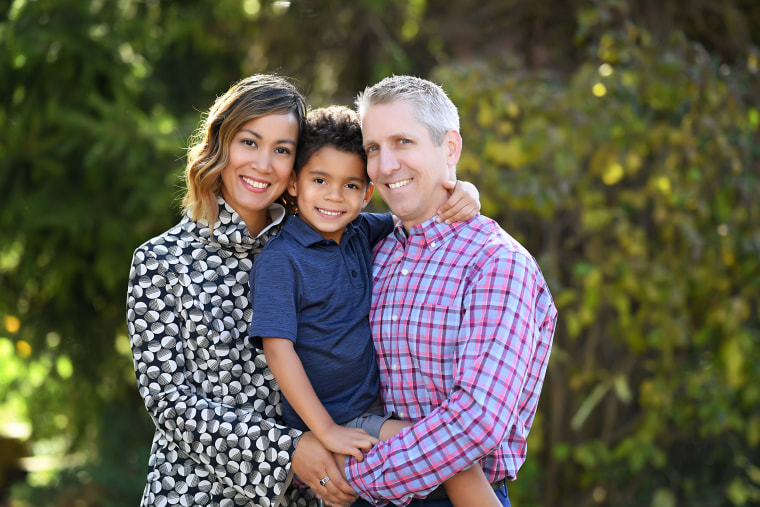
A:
(324, 480)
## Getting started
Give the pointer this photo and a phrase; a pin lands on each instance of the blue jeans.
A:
(501, 493)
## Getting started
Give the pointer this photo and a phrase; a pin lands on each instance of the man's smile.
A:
(399, 184)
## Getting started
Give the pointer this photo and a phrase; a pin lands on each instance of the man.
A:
(461, 316)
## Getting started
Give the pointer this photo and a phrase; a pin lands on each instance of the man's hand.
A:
(313, 463)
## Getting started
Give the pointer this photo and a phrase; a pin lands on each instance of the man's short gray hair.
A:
(432, 107)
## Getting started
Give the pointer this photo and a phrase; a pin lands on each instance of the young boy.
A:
(313, 322)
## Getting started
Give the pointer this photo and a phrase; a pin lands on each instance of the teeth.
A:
(255, 184)
(399, 184)
(330, 213)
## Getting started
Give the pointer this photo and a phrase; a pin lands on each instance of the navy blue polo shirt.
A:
(316, 293)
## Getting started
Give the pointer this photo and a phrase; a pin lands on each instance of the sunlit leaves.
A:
(12, 323)
(637, 186)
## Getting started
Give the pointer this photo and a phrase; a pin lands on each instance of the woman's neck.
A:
(256, 222)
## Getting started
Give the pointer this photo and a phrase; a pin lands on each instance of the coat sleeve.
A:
(239, 445)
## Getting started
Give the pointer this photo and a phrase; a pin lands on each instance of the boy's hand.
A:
(463, 203)
(351, 441)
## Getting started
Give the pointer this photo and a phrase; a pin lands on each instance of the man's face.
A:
(408, 169)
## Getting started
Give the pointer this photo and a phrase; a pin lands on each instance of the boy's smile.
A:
(331, 189)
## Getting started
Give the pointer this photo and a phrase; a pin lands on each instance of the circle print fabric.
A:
(214, 402)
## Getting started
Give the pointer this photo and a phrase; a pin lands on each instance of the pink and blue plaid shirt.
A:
(463, 324)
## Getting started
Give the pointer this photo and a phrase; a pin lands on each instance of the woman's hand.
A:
(340, 462)
(313, 463)
(463, 203)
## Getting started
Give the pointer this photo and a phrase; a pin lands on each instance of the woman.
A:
(219, 436)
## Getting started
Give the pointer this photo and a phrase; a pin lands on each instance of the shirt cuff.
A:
(350, 468)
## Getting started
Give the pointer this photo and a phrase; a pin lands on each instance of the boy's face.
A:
(331, 190)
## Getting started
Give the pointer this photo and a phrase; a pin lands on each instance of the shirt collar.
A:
(430, 232)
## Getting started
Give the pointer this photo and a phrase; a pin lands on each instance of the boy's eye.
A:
(352, 186)
(319, 180)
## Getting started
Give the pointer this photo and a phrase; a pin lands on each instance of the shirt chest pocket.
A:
(433, 334)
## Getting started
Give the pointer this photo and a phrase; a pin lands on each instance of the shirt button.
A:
(404, 271)
(353, 272)
(394, 318)
(394, 367)
(432, 245)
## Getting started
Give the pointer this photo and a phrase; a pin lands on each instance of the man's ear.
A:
(452, 141)
(292, 188)
(368, 194)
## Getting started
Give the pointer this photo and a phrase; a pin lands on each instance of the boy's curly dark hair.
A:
(336, 126)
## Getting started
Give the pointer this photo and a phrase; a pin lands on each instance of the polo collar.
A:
(305, 235)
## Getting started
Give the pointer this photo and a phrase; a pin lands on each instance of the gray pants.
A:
(371, 420)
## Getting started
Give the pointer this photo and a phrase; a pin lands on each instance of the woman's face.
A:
(261, 160)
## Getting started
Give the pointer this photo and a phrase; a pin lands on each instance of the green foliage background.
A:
(617, 140)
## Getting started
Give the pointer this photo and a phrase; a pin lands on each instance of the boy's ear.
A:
(368, 194)
(292, 188)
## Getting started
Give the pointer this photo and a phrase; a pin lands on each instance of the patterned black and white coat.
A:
(219, 437)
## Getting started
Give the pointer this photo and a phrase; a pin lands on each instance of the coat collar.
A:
(230, 231)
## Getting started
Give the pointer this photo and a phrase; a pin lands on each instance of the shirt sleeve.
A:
(274, 305)
(236, 447)
(497, 341)
(377, 226)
